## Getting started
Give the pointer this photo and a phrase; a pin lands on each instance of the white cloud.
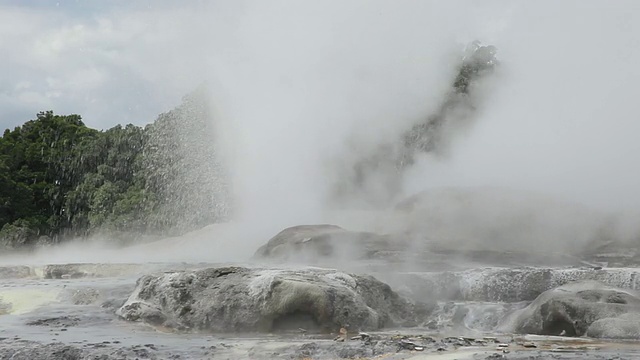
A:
(124, 64)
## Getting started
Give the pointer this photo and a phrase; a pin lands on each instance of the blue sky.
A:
(109, 61)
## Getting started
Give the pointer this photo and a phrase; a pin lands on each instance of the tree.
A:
(61, 179)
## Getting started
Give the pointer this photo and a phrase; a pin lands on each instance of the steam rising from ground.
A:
(305, 79)
(294, 83)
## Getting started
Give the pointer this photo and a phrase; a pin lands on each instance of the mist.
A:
(303, 81)
(300, 83)
(554, 127)
(561, 119)
(361, 177)
(301, 90)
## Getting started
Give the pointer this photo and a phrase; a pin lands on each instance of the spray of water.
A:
(346, 81)
(302, 92)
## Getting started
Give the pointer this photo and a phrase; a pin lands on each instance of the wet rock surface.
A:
(30, 350)
(503, 284)
(15, 272)
(625, 326)
(75, 271)
(310, 243)
(573, 309)
(66, 271)
(91, 330)
(85, 296)
(237, 299)
(371, 346)
(331, 245)
(62, 321)
(33, 351)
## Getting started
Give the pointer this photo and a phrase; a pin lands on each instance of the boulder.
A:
(584, 308)
(310, 243)
(237, 299)
(625, 326)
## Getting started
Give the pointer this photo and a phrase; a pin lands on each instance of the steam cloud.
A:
(301, 91)
(304, 82)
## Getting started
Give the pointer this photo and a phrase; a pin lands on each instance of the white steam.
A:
(295, 83)
(562, 117)
(301, 79)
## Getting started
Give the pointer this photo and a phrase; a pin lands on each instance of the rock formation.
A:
(237, 299)
(310, 243)
(502, 284)
(583, 308)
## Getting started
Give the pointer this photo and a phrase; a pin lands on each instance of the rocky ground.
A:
(323, 292)
(367, 346)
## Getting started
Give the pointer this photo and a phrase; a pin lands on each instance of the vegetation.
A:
(61, 179)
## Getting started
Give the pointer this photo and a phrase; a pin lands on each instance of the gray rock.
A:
(235, 299)
(15, 272)
(572, 309)
(63, 271)
(625, 326)
(502, 284)
(31, 350)
(72, 271)
(61, 321)
(309, 243)
(405, 250)
(35, 351)
(85, 296)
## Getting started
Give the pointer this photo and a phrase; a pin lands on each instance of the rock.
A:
(362, 336)
(54, 351)
(15, 272)
(98, 270)
(310, 243)
(235, 299)
(61, 321)
(62, 271)
(412, 248)
(572, 309)
(502, 284)
(85, 296)
(626, 326)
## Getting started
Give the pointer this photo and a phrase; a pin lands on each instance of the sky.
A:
(294, 81)
(109, 61)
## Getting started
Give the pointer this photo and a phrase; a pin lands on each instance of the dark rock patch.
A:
(61, 321)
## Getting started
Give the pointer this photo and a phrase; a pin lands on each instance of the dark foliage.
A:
(61, 179)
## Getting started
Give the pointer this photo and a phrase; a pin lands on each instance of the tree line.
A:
(60, 179)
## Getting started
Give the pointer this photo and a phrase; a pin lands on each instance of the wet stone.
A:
(61, 321)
